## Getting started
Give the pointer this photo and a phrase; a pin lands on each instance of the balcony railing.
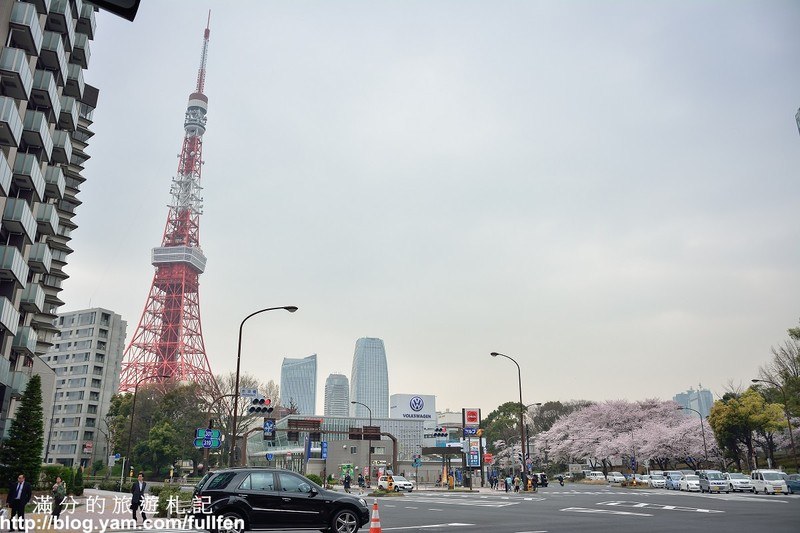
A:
(18, 218)
(10, 122)
(46, 218)
(9, 317)
(15, 74)
(81, 52)
(45, 93)
(27, 174)
(59, 20)
(12, 265)
(32, 299)
(54, 181)
(36, 132)
(5, 175)
(74, 85)
(25, 340)
(26, 32)
(42, 6)
(86, 22)
(40, 258)
(62, 147)
(52, 56)
(68, 119)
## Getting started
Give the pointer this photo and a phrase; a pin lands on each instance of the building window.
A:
(86, 318)
(95, 383)
(94, 396)
(354, 449)
(99, 358)
(91, 409)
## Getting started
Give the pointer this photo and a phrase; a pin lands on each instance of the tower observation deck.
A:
(167, 346)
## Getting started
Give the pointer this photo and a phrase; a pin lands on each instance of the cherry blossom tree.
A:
(617, 431)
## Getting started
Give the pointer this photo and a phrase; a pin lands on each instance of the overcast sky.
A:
(606, 191)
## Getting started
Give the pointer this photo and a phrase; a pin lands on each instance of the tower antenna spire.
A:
(201, 73)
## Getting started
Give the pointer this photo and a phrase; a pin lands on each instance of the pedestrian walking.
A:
(137, 496)
(516, 483)
(508, 482)
(59, 493)
(347, 481)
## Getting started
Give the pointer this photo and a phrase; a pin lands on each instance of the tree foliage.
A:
(501, 427)
(22, 451)
(747, 420)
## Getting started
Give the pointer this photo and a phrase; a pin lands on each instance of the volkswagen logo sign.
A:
(416, 403)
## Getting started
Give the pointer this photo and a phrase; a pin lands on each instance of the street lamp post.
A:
(369, 453)
(702, 427)
(50, 433)
(289, 308)
(521, 406)
(133, 411)
(786, 413)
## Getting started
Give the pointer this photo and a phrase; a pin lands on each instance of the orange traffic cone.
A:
(375, 522)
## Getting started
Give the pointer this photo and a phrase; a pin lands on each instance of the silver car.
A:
(738, 482)
(657, 481)
(712, 481)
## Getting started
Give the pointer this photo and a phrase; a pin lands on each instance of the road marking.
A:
(602, 511)
(641, 505)
(454, 524)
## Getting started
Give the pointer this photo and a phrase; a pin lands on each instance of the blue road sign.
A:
(117, 456)
(205, 433)
(324, 449)
(269, 427)
(270, 457)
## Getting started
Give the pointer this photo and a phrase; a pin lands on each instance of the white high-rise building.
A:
(86, 357)
(337, 395)
(369, 379)
(299, 384)
(701, 400)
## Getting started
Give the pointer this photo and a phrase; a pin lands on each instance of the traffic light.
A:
(261, 405)
(519, 456)
(440, 432)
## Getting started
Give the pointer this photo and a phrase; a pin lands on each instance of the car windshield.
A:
(399, 478)
(714, 475)
(657, 477)
(616, 473)
(692, 478)
(737, 476)
(772, 476)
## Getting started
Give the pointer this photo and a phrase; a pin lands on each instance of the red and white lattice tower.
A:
(167, 346)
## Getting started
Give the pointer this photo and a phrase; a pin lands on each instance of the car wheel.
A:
(234, 517)
(396, 488)
(345, 521)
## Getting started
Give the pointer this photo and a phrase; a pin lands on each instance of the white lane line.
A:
(407, 507)
(454, 524)
(641, 505)
(439, 510)
(602, 511)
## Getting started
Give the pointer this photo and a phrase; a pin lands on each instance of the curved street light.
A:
(786, 413)
(702, 427)
(369, 453)
(133, 411)
(521, 405)
(291, 309)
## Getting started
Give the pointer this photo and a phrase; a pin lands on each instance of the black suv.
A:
(238, 499)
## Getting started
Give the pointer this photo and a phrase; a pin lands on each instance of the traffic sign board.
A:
(117, 456)
(205, 433)
(207, 443)
(248, 393)
(270, 457)
(323, 449)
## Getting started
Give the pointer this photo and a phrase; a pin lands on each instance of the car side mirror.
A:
(314, 491)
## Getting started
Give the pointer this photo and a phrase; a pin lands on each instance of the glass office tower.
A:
(299, 384)
(369, 379)
(337, 395)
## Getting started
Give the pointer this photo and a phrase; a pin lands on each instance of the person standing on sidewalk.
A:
(137, 496)
(19, 494)
(59, 493)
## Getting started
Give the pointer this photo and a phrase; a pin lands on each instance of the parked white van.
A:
(596, 476)
(767, 481)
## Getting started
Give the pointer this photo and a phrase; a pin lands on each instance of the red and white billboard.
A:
(472, 417)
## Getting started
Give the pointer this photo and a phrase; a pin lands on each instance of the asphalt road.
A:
(577, 507)
(584, 508)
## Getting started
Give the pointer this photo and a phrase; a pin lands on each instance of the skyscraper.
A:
(700, 400)
(337, 395)
(369, 379)
(299, 384)
(86, 357)
(46, 111)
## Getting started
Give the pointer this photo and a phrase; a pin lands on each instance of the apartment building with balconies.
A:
(45, 118)
(86, 357)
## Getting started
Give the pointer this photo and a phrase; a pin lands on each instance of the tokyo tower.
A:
(167, 346)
